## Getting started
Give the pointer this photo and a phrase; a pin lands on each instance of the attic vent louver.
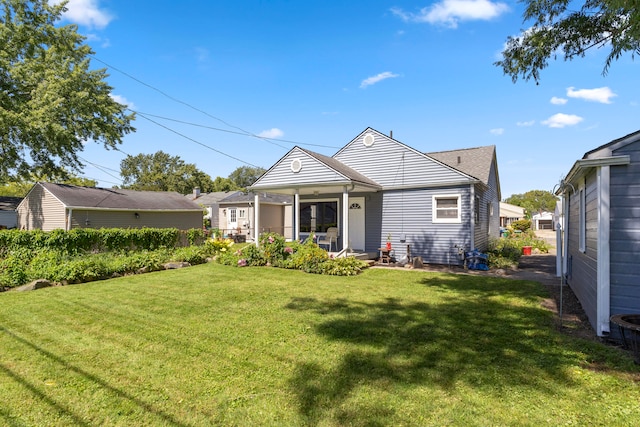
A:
(368, 140)
(459, 160)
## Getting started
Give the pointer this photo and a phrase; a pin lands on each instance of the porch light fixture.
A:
(137, 215)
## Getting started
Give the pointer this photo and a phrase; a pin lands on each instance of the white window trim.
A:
(321, 200)
(434, 217)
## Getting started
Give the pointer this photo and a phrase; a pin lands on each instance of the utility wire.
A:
(103, 169)
(234, 132)
(196, 141)
(174, 99)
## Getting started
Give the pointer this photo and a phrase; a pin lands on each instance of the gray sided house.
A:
(376, 188)
(8, 215)
(601, 207)
(237, 213)
(52, 206)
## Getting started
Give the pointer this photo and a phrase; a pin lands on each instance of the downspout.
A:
(69, 219)
(603, 276)
(472, 219)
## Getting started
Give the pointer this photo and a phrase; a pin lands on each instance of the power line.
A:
(103, 169)
(196, 141)
(234, 132)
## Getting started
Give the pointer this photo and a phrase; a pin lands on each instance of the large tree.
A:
(534, 201)
(244, 176)
(51, 101)
(565, 29)
(162, 172)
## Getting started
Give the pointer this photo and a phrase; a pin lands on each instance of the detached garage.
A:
(52, 206)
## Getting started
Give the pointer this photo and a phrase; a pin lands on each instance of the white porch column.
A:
(256, 219)
(296, 215)
(345, 218)
(603, 295)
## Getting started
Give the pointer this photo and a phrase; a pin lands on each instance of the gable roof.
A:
(210, 198)
(9, 203)
(341, 168)
(472, 161)
(117, 199)
(609, 146)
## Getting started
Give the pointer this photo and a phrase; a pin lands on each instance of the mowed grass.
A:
(217, 345)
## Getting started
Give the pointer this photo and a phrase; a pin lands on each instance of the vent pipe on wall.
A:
(391, 134)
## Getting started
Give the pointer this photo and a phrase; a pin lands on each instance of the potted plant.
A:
(389, 241)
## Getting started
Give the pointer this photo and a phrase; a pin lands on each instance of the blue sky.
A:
(317, 73)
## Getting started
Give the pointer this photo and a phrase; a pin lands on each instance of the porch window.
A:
(446, 208)
(318, 216)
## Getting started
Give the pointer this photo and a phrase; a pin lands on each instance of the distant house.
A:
(237, 211)
(376, 188)
(8, 214)
(601, 198)
(210, 202)
(542, 221)
(510, 213)
(50, 206)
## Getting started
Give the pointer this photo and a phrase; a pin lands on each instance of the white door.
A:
(356, 223)
(232, 220)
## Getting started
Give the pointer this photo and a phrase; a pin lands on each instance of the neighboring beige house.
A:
(50, 206)
(510, 213)
(210, 203)
(543, 221)
(8, 216)
(237, 211)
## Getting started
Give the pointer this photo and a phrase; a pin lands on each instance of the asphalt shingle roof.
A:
(475, 162)
(341, 168)
(9, 203)
(111, 198)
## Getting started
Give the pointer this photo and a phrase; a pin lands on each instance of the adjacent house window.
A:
(489, 216)
(318, 216)
(242, 213)
(446, 208)
(582, 221)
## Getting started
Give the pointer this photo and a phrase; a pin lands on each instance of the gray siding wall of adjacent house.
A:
(312, 172)
(625, 233)
(392, 164)
(81, 218)
(582, 268)
(31, 211)
(408, 215)
(489, 225)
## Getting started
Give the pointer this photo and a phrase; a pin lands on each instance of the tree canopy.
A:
(20, 188)
(51, 102)
(561, 29)
(534, 201)
(244, 176)
(162, 172)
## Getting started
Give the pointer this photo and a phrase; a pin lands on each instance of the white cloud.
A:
(377, 78)
(558, 101)
(527, 123)
(600, 94)
(561, 120)
(450, 12)
(87, 13)
(497, 131)
(271, 133)
(122, 100)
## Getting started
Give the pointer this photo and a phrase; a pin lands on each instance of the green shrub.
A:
(193, 255)
(349, 266)
(521, 224)
(272, 246)
(13, 268)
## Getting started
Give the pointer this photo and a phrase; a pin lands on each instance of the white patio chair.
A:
(329, 238)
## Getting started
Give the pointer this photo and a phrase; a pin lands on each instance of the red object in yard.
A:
(388, 246)
(526, 250)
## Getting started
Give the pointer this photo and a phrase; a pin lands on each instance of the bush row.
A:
(307, 256)
(20, 266)
(81, 240)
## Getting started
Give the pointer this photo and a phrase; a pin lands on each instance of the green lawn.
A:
(217, 345)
